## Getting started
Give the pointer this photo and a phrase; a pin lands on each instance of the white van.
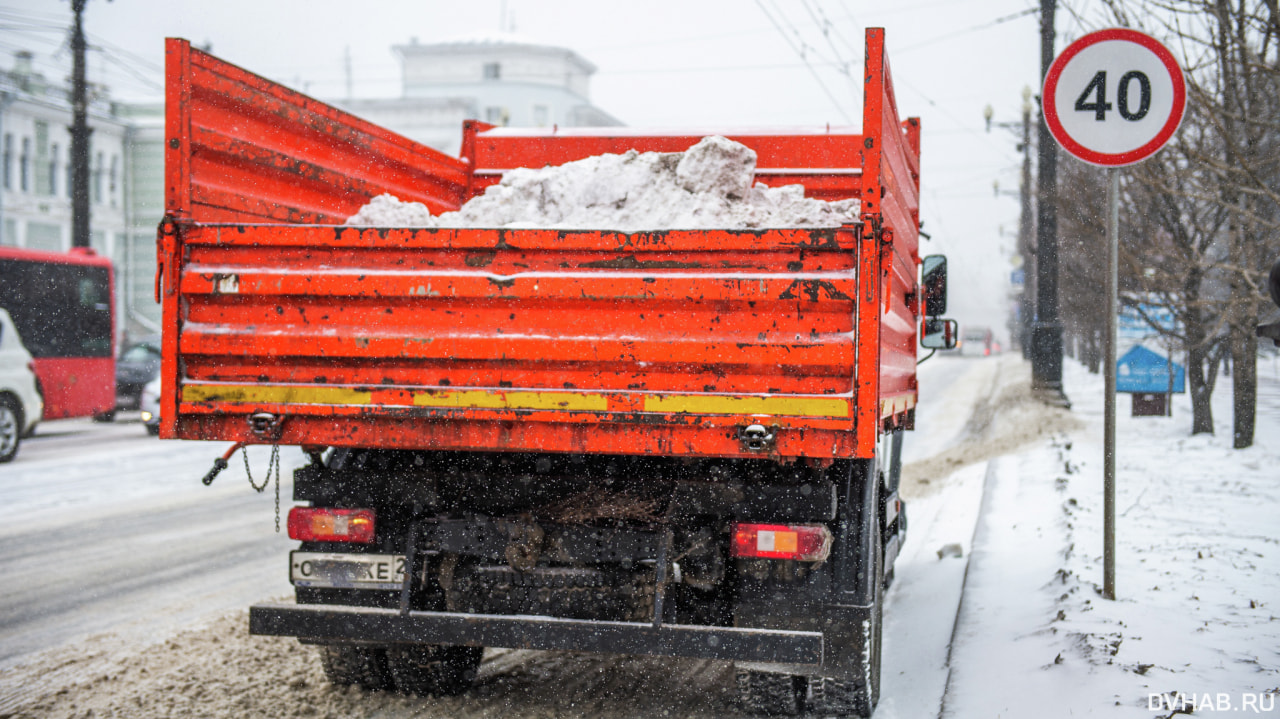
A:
(21, 405)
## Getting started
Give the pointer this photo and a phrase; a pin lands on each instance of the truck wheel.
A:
(856, 697)
(434, 669)
(365, 667)
(10, 430)
(770, 694)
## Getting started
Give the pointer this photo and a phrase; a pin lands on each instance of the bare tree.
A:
(1082, 247)
(1170, 253)
(1231, 55)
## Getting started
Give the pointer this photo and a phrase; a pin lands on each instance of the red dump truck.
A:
(675, 442)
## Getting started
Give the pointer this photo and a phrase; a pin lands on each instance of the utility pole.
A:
(1046, 333)
(1025, 227)
(79, 134)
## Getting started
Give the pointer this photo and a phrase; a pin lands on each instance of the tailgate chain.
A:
(273, 465)
(220, 464)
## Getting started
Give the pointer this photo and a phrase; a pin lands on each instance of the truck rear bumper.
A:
(329, 623)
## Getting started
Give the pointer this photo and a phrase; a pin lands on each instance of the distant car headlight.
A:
(146, 416)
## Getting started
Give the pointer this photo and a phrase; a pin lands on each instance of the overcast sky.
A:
(704, 64)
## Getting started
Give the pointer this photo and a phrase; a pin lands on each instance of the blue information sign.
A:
(1142, 371)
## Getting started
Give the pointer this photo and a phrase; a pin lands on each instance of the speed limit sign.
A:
(1114, 97)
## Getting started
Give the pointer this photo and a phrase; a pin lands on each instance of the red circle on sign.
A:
(1050, 105)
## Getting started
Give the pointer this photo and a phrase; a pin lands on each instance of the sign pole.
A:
(1109, 412)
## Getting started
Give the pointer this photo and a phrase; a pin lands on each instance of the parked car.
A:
(21, 403)
(137, 365)
(150, 406)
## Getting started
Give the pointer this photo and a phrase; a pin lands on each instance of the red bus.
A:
(63, 305)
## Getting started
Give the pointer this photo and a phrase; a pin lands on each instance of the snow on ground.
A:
(1000, 415)
(1194, 627)
(1198, 580)
(707, 186)
(920, 605)
(950, 386)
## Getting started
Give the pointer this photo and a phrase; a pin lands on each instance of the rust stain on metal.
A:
(812, 290)
(480, 259)
(629, 262)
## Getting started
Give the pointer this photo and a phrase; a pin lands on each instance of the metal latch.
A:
(265, 425)
(756, 438)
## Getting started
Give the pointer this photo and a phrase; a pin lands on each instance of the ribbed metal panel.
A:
(672, 327)
(255, 151)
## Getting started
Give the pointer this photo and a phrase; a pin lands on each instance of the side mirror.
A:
(939, 334)
(934, 285)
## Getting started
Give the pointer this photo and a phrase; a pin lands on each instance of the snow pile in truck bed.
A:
(707, 186)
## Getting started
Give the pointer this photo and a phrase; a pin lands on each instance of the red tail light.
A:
(805, 542)
(318, 524)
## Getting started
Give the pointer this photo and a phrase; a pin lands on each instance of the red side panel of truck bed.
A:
(827, 162)
(891, 202)
(667, 342)
(241, 148)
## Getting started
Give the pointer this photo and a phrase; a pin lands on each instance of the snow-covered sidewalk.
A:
(1194, 628)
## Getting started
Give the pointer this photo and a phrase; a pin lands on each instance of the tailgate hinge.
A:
(871, 227)
(166, 246)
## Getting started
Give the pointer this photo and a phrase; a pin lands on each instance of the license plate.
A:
(346, 571)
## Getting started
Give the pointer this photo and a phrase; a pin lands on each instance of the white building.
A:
(35, 151)
(501, 79)
(35, 165)
(144, 208)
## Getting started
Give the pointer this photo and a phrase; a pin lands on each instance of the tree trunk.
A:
(1202, 371)
(1244, 376)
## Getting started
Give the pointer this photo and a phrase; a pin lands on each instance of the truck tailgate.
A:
(664, 342)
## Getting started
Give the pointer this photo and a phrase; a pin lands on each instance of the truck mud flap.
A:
(329, 623)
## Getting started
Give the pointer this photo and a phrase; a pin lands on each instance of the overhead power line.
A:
(803, 57)
(825, 28)
(975, 28)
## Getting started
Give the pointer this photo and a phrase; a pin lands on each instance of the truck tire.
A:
(858, 697)
(365, 667)
(433, 669)
(765, 693)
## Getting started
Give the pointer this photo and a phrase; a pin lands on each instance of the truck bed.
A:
(668, 342)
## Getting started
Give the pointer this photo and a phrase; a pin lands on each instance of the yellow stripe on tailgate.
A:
(304, 394)
(489, 399)
(780, 406)
(484, 399)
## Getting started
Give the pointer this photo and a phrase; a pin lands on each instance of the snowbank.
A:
(1194, 627)
(707, 186)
